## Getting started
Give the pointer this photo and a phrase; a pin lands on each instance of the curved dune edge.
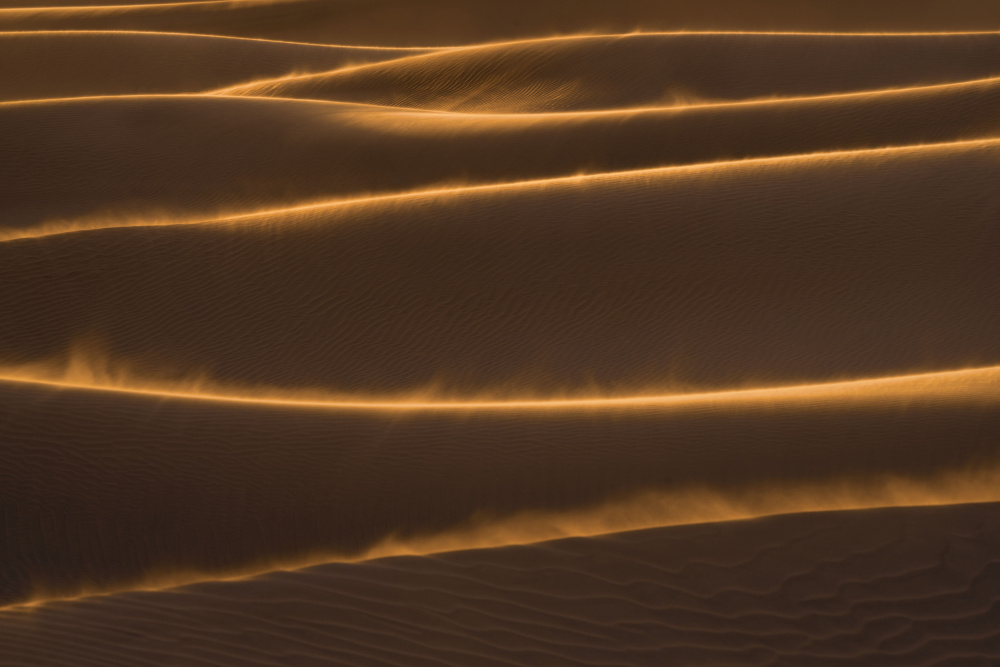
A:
(890, 587)
(82, 63)
(207, 36)
(433, 21)
(535, 115)
(263, 86)
(638, 512)
(708, 169)
(442, 47)
(481, 59)
(139, 5)
(89, 373)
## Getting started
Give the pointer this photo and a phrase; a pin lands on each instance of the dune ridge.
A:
(551, 602)
(163, 203)
(82, 371)
(39, 65)
(632, 70)
(449, 22)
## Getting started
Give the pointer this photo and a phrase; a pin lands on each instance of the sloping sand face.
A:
(638, 70)
(786, 271)
(113, 489)
(914, 586)
(57, 64)
(265, 154)
(459, 22)
(416, 333)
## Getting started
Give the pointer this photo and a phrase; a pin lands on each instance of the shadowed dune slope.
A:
(154, 155)
(73, 64)
(649, 70)
(104, 489)
(755, 273)
(447, 22)
(38, 4)
(897, 587)
(888, 588)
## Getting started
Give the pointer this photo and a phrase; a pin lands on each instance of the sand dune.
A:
(807, 269)
(449, 22)
(36, 65)
(890, 587)
(112, 489)
(156, 152)
(371, 332)
(909, 280)
(648, 70)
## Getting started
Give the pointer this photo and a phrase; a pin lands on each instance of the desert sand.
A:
(550, 333)
(778, 591)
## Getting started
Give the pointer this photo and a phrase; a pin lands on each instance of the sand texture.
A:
(899, 587)
(550, 333)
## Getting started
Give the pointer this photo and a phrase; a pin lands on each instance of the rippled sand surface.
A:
(479, 333)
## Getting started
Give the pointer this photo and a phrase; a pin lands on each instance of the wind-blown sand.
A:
(601, 72)
(417, 334)
(39, 65)
(884, 587)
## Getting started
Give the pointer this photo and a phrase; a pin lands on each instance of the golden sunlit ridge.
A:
(707, 169)
(640, 511)
(82, 374)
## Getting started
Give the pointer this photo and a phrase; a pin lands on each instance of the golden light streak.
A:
(82, 373)
(198, 35)
(83, 9)
(534, 116)
(485, 46)
(704, 168)
(529, 116)
(644, 510)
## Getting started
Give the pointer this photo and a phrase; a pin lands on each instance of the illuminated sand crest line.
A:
(486, 46)
(752, 102)
(359, 106)
(528, 116)
(761, 33)
(982, 382)
(442, 50)
(501, 42)
(208, 36)
(82, 9)
(231, 90)
(641, 511)
(69, 227)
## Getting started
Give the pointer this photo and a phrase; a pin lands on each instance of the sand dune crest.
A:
(36, 65)
(450, 22)
(647, 70)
